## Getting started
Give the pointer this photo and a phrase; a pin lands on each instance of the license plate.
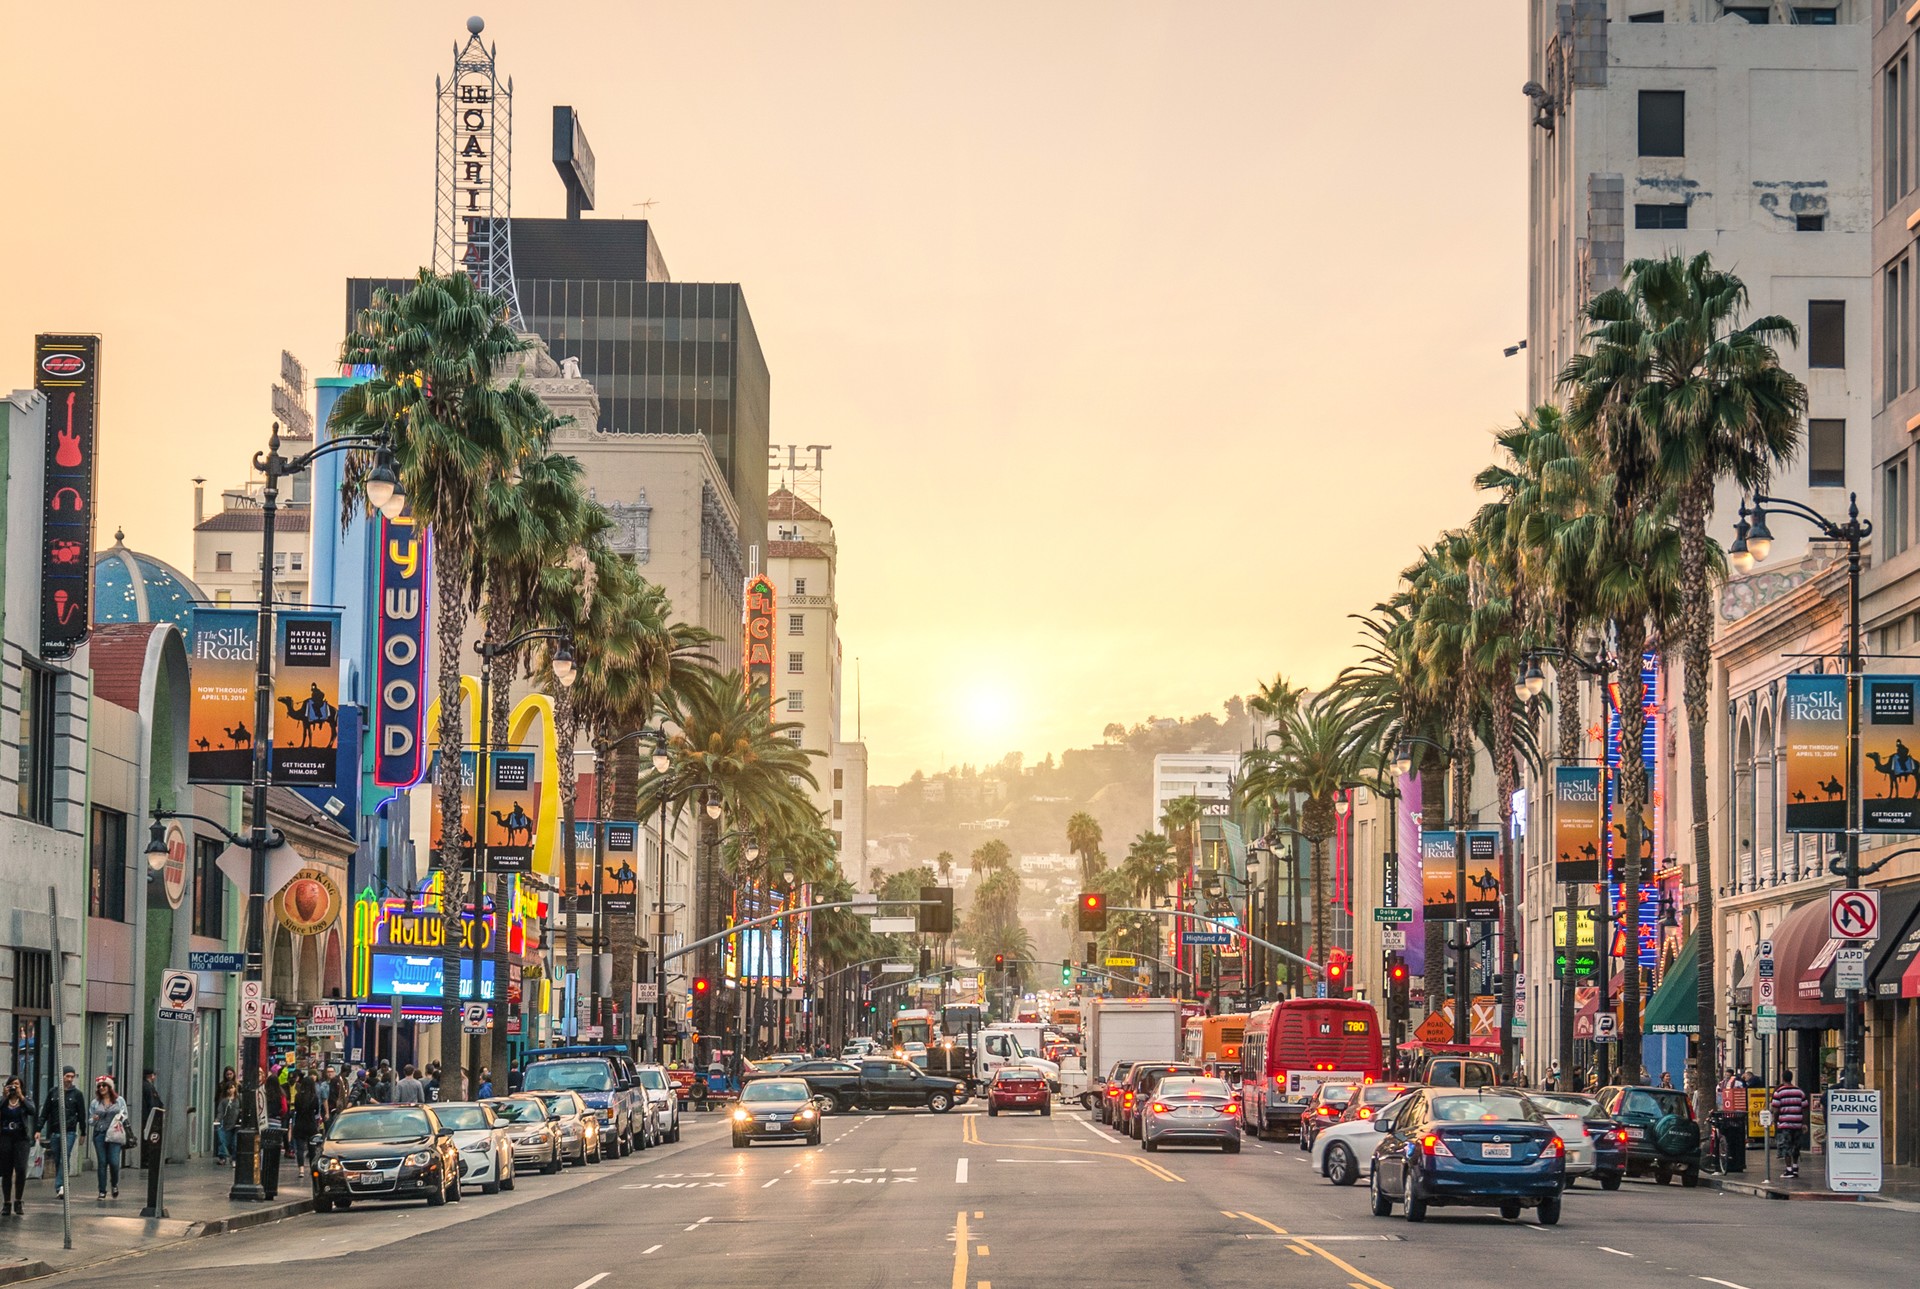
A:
(1496, 1150)
(363, 1178)
(1637, 1134)
(771, 1125)
(1196, 1112)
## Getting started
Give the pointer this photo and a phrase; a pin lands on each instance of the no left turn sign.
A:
(1854, 915)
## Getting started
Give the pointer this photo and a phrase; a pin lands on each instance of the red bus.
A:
(1293, 1046)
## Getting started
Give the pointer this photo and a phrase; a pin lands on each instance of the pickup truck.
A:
(842, 1086)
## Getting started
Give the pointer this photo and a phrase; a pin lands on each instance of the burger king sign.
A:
(310, 903)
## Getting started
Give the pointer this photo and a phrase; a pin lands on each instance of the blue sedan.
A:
(1482, 1148)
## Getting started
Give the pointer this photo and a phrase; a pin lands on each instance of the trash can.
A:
(273, 1141)
(1733, 1137)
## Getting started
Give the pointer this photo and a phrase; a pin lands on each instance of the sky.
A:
(1151, 339)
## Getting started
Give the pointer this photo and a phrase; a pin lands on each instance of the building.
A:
(1683, 126)
(1206, 775)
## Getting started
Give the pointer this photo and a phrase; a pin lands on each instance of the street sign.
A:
(1393, 937)
(1766, 949)
(1853, 915)
(324, 1021)
(1766, 1118)
(1390, 914)
(179, 996)
(1764, 991)
(893, 926)
(1603, 1027)
(1087, 977)
(1122, 960)
(1850, 969)
(1764, 968)
(646, 992)
(1766, 1020)
(473, 1018)
(896, 968)
(1205, 937)
(253, 1015)
(1853, 1140)
(201, 960)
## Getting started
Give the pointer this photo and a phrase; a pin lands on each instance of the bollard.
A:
(151, 1138)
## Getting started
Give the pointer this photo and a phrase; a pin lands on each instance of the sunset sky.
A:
(1151, 339)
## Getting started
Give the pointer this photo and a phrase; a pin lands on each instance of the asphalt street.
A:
(972, 1202)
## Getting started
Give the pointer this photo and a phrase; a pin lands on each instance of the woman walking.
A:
(19, 1129)
(107, 1124)
(226, 1116)
(306, 1118)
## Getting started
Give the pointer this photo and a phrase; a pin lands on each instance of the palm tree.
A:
(435, 350)
(1700, 400)
(1149, 867)
(990, 857)
(1083, 839)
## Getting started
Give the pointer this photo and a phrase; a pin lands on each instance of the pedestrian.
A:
(1789, 1105)
(107, 1125)
(486, 1083)
(1553, 1078)
(1666, 1078)
(409, 1091)
(226, 1117)
(19, 1129)
(150, 1100)
(306, 1117)
(380, 1086)
(75, 1106)
(431, 1088)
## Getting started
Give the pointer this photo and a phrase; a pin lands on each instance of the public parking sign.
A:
(179, 996)
(1853, 1140)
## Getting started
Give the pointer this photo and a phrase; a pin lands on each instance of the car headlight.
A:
(418, 1159)
(478, 1148)
(569, 1130)
(533, 1139)
(742, 1116)
(807, 1113)
(328, 1164)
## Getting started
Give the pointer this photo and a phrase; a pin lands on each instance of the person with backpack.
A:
(1789, 1106)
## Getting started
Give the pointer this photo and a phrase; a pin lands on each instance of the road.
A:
(964, 1201)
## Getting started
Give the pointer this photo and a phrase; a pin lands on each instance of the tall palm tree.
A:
(1149, 868)
(990, 857)
(1083, 839)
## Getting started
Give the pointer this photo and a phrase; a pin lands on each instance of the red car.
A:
(1016, 1087)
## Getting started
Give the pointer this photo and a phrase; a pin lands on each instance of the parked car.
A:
(1324, 1107)
(1018, 1087)
(1596, 1142)
(775, 1110)
(601, 1074)
(882, 1084)
(578, 1125)
(663, 1119)
(1662, 1136)
(486, 1156)
(1489, 1148)
(1190, 1110)
(1339, 1149)
(533, 1132)
(385, 1152)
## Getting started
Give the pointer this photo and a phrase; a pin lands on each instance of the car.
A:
(1339, 1148)
(1596, 1143)
(1141, 1082)
(486, 1157)
(535, 1134)
(1019, 1087)
(1662, 1136)
(1460, 1072)
(663, 1103)
(881, 1083)
(1190, 1110)
(602, 1075)
(1324, 1107)
(775, 1110)
(385, 1152)
(1113, 1091)
(857, 1048)
(1368, 1098)
(579, 1126)
(1486, 1147)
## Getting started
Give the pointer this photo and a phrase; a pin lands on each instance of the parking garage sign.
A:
(1853, 1140)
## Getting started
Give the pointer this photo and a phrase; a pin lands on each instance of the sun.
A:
(987, 710)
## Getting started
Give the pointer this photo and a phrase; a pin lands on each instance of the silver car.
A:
(481, 1137)
(663, 1102)
(534, 1133)
(577, 1123)
(1186, 1110)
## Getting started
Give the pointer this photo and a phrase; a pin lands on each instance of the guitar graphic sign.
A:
(67, 372)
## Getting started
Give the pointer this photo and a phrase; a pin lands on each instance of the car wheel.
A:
(1306, 1142)
(321, 1204)
(1149, 1144)
(1611, 1181)
(940, 1102)
(993, 1111)
(1549, 1211)
(1231, 1145)
(739, 1142)
(1382, 1206)
(842, 1105)
(552, 1166)
(1690, 1178)
(1510, 1210)
(343, 1204)
(1416, 1202)
(1662, 1175)
(814, 1140)
(489, 1188)
(456, 1195)
(1046, 1109)
(1341, 1167)
(508, 1182)
(436, 1198)
(674, 1136)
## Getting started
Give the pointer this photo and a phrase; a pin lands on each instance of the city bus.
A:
(1065, 1017)
(1214, 1040)
(1293, 1046)
(912, 1025)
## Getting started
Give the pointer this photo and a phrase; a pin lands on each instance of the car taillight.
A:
(1326, 1109)
(1129, 1098)
(1432, 1145)
(1365, 1113)
(1158, 1107)
(1557, 1147)
(1619, 1136)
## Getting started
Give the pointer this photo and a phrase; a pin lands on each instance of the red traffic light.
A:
(1336, 969)
(1398, 971)
(999, 960)
(701, 985)
(1092, 911)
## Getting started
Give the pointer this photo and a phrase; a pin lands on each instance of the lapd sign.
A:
(1853, 1140)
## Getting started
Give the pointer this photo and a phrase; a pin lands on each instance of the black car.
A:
(385, 1152)
(1596, 1142)
(1142, 1079)
(1663, 1138)
(775, 1110)
(881, 1084)
(1486, 1148)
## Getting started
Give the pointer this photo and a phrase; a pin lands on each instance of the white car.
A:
(1338, 1151)
(662, 1100)
(486, 1156)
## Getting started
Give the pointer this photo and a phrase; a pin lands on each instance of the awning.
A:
(1801, 953)
(1893, 970)
(1675, 1005)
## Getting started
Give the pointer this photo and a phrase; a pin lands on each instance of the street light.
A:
(712, 801)
(1753, 542)
(382, 485)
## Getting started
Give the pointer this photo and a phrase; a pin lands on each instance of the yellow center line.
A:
(1359, 1276)
(960, 1250)
(1277, 1230)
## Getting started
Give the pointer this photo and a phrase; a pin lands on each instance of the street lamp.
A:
(1753, 542)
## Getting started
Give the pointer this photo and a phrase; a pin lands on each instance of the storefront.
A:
(1809, 1040)
(1893, 1021)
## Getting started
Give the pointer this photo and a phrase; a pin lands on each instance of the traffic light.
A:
(1093, 911)
(926, 962)
(938, 916)
(999, 962)
(1397, 985)
(1066, 975)
(702, 1002)
(1338, 985)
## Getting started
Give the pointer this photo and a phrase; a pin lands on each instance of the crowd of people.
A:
(53, 1132)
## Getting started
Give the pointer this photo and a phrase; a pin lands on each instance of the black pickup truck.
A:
(876, 1085)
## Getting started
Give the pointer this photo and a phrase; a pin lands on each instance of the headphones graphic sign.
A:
(67, 373)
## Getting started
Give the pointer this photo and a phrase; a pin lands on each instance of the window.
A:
(839, 811)
(796, 700)
(223, 561)
(799, 586)
(223, 597)
(107, 865)
(1894, 498)
(1809, 223)
(296, 560)
(1893, 127)
(796, 624)
(1656, 16)
(1671, 215)
(1663, 123)
(839, 780)
(279, 561)
(209, 889)
(1757, 14)
(1894, 331)
(794, 736)
(1826, 453)
(796, 664)
(1827, 333)
(1809, 16)
(38, 687)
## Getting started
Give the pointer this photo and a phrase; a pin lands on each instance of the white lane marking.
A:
(1531, 1227)
(1728, 1283)
(1082, 1162)
(655, 1249)
(765, 1184)
(1618, 1253)
(702, 1222)
(1095, 1131)
(592, 1280)
(960, 1172)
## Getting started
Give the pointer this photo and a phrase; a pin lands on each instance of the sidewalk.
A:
(1900, 1184)
(196, 1203)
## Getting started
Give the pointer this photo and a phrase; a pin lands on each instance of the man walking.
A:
(409, 1091)
(1789, 1105)
(76, 1107)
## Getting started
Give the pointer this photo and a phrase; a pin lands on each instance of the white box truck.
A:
(1128, 1029)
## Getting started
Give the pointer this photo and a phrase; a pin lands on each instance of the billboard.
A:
(586, 834)
(619, 871)
(399, 704)
(1577, 823)
(220, 660)
(1814, 726)
(513, 803)
(306, 686)
(66, 370)
(1889, 774)
(757, 642)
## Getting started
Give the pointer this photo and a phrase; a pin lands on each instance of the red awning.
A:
(1801, 955)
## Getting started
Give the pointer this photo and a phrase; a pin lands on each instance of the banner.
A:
(1437, 874)
(306, 685)
(400, 666)
(585, 834)
(220, 663)
(1815, 730)
(1577, 802)
(436, 824)
(67, 372)
(619, 876)
(1617, 835)
(1483, 876)
(513, 803)
(1889, 774)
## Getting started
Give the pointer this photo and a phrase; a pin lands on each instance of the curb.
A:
(13, 1272)
(1767, 1190)
(253, 1217)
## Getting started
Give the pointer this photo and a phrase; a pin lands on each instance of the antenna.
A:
(859, 707)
